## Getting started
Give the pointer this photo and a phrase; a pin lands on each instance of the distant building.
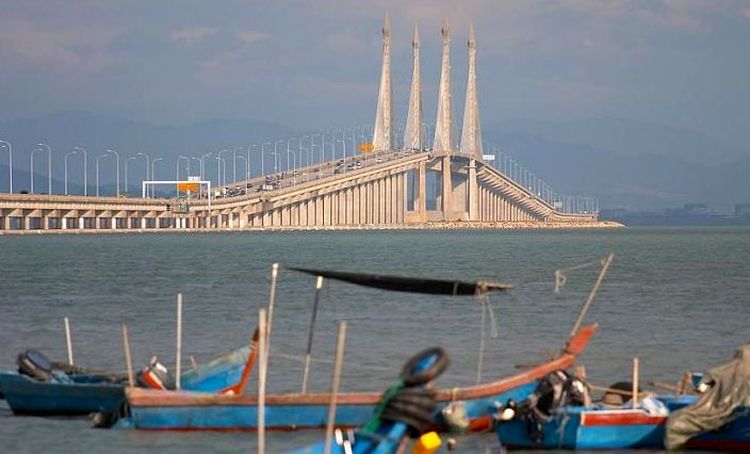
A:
(742, 209)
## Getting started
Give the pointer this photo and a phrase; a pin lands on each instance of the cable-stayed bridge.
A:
(424, 179)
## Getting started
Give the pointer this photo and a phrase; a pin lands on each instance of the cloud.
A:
(251, 36)
(192, 35)
(745, 12)
(50, 43)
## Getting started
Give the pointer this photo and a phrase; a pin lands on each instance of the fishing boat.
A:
(579, 426)
(47, 391)
(170, 410)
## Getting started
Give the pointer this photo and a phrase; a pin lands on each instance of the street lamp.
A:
(132, 158)
(98, 158)
(221, 164)
(287, 150)
(193, 158)
(247, 168)
(294, 169)
(117, 168)
(49, 166)
(153, 174)
(203, 164)
(187, 167)
(49, 156)
(224, 166)
(5, 143)
(65, 166)
(262, 153)
(300, 148)
(276, 157)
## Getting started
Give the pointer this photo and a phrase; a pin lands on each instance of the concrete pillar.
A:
(447, 189)
(318, 211)
(472, 188)
(355, 205)
(334, 208)
(420, 201)
(302, 213)
(343, 206)
(389, 199)
(400, 198)
(6, 222)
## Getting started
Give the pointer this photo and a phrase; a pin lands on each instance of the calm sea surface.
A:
(676, 298)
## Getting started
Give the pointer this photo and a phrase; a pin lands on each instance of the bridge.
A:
(385, 185)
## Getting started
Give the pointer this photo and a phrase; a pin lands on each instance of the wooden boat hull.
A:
(576, 428)
(88, 394)
(170, 410)
(26, 396)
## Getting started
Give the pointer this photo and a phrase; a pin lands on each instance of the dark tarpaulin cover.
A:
(408, 284)
(717, 406)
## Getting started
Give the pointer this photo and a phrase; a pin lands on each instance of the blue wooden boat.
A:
(171, 410)
(592, 427)
(80, 394)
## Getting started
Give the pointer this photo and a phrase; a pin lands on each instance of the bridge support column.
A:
(420, 199)
(6, 221)
(473, 188)
(447, 195)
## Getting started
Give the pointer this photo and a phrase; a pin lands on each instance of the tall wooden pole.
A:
(178, 364)
(335, 382)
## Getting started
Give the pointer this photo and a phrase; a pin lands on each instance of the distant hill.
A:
(631, 165)
(626, 164)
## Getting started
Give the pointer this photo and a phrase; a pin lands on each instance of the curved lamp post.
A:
(276, 156)
(5, 143)
(75, 151)
(203, 164)
(247, 168)
(223, 162)
(187, 167)
(49, 166)
(132, 158)
(153, 173)
(39, 147)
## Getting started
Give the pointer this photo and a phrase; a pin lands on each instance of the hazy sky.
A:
(316, 63)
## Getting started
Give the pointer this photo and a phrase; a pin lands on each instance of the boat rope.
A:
(561, 274)
(480, 361)
(485, 304)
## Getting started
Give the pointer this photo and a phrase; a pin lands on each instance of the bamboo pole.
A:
(68, 341)
(262, 351)
(592, 294)
(178, 364)
(335, 382)
(128, 359)
(308, 355)
(272, 298)
(636, 376)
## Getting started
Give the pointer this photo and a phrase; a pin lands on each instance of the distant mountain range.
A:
(627, 164)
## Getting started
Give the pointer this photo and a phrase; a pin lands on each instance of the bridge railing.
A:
(564, 203)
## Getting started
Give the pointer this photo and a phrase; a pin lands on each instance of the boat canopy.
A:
(729, 390)
(410, 284)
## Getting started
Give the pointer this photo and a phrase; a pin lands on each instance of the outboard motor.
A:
(35, 365)
(155, 376)
(553, 391)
